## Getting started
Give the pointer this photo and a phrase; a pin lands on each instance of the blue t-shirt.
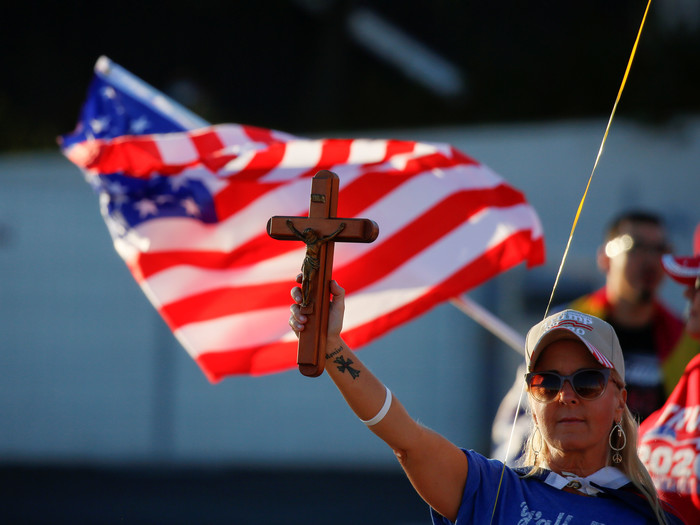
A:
(529, 501)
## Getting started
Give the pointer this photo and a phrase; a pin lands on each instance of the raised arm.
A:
(436, 468)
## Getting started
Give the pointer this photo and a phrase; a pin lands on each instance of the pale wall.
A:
(89, 372)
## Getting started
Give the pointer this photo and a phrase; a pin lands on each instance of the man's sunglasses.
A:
(626, 243)
(588, 383)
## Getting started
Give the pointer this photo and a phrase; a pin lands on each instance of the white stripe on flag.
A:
(302, 154)
(179, 282)
(235, 332)
(176, 150)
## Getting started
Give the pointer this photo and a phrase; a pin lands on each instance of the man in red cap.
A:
(649, 332)
(669, 442)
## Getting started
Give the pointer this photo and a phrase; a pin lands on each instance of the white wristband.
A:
(382, 412)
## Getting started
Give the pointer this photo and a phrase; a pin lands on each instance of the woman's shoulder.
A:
(490, 464)
(488, 469)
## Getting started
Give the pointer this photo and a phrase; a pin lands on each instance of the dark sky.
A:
(295, 66)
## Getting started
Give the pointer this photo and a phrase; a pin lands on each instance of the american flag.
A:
(187, 206)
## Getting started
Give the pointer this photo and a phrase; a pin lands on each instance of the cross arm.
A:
(355, 230)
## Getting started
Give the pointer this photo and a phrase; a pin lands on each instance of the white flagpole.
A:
(492, 323)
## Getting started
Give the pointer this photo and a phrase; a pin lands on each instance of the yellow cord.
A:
(573, 227)
(600, 153)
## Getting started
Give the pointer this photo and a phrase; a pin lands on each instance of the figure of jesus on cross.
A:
(312, 260)
(319, 231)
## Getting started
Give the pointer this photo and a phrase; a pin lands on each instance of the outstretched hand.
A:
(297, 320)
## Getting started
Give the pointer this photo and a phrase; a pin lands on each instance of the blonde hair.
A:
(535, 451)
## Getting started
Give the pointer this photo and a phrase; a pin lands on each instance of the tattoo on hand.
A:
(334, 352)
(344, 365)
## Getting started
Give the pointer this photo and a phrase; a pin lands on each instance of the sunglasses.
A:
(588, 383)
(626, 243)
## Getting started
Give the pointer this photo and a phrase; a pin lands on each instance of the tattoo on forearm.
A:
(344, 365)
(334, 352)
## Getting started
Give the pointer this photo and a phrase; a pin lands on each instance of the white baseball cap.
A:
(598, 336)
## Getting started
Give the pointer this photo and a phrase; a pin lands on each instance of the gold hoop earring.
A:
(621, 437)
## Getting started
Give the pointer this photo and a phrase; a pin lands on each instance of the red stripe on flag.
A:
(259, 134)
(333, 152)
(261, 163)
(398, 147)
(234, 197)
(221, 302)
(137, 157)
(267, 359)
(147, 264)
(206, 143)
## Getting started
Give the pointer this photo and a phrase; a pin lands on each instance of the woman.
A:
(581, 428)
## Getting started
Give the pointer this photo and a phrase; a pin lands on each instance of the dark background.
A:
(294, 66)
(187, 496)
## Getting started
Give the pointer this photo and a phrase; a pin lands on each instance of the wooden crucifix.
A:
(319, 231)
